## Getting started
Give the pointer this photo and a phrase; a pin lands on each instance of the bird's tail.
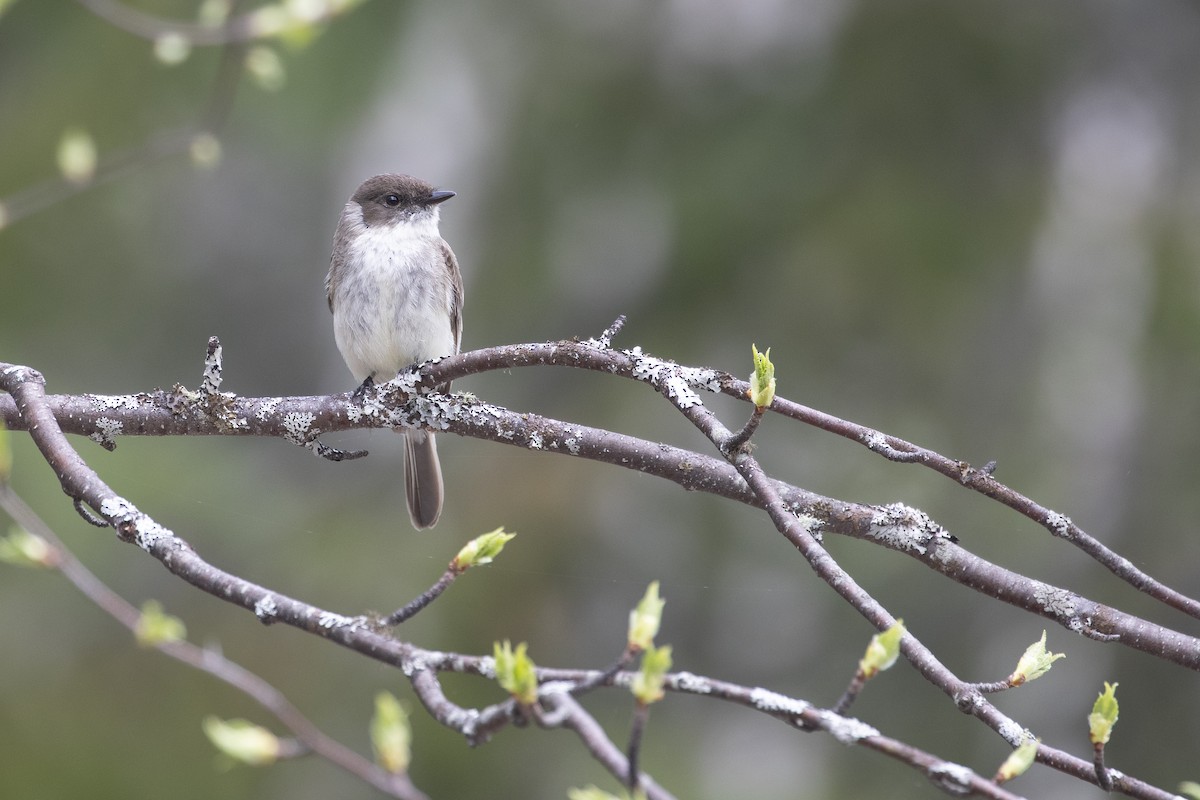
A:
(422, 478)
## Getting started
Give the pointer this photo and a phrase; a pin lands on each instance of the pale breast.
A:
(391, 305)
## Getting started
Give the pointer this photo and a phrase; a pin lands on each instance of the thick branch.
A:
(401, 402)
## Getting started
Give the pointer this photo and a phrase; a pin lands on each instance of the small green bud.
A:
(1034, 663)
(481, 550)
(155, 627)
(391, 735)
(266, 68)
(242, 740)
(300, 21)
(77, 156)
(644, 620)
(1191, 789)
(24, 549)
(1104, 715)
(1018, 761)
(882, 651)
(213, 13)
(516, 672)
(647, 684)
(762, 382)
(172, 48)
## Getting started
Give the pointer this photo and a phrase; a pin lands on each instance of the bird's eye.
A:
(392, 200)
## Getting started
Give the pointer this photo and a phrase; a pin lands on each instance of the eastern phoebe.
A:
(396, 295)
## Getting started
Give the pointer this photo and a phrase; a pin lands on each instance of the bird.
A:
(396, 294)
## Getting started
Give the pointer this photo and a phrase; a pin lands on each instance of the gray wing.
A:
(456, 295)
(336, 267)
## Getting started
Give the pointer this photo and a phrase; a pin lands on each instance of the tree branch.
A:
(407, 401)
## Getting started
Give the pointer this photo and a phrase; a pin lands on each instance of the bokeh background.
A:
(969, 224)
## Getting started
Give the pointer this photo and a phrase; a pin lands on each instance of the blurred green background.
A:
(969, 224)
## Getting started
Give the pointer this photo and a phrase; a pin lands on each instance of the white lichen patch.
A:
(1059, 524)
(1013, 733)
(549, 689)
(266, 408)
(691, 683)
(408, 382)
(210, 381)
(903, 527)
(647, 368)
(572, 445)
(419, 412)
(488, 410)
(1053, 600)
(773, 702)
(125, 516)
(681, 393)
(465, 720)
(487, 667)
(330, 620)
(457, 662)
(708, 380)
(113, 401)
(149, 533)
(811, 524)
(298, 428)
(107, 429)
(954, 778)
(846, 730)
(222, 407)
(874, 440)
(265, 609)
(412, 665)
(535, 440)
(117, 508)
(439, 410)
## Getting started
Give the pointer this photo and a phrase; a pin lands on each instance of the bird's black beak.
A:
(440, 196)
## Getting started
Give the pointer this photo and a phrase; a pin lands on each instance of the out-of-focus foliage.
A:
(969, 224)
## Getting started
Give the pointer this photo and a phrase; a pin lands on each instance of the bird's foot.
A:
(361, 392)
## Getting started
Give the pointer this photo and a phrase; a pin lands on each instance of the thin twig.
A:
(851, 694)
(571, 715)
(605, 677)
(637, 726)
(735, 441)
(425, 598)
(610, 333)
(1103, 776)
